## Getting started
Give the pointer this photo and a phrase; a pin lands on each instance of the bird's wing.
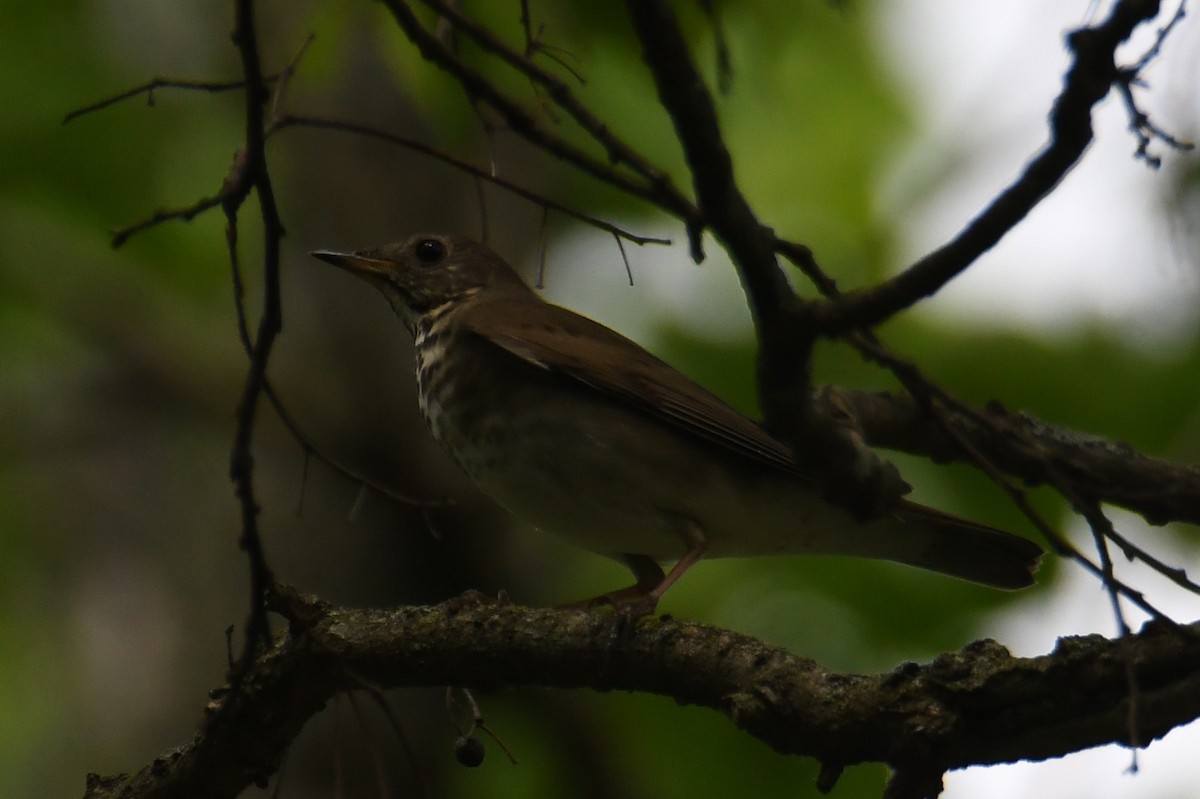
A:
(562, 341)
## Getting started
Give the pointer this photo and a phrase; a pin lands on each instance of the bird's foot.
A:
(635, 601)
(474, 598)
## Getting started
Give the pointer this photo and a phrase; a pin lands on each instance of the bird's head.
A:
(427, 272)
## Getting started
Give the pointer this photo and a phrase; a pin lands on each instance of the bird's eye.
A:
(430, 251)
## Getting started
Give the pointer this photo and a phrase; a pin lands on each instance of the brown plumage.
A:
(577, 429)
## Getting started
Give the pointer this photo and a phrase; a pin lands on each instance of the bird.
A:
(578, 430)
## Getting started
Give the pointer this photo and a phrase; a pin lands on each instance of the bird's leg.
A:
(646, 571)
(644, 605)
(694, 553)
(641, 598)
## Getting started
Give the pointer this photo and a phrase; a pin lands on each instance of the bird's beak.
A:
(358, 264)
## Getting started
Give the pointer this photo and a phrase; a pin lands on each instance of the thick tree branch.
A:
(977, 706)
(1036, 452)
(725, 209)
(854, 476)
(1093, 72)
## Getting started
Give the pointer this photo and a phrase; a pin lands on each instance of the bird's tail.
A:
(929, 539)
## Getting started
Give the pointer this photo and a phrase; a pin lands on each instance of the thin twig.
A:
(186, 214)
(1175, 574)
(149, 87)
(540, 279)
(624, 258)
(1160, 38)
(285, 77)
(381, 778)
(535, 45)
(307, 446)
(1143, 128)
(618, 151)
(648, 183)
(1098, 522)
(293, 120)
(380, 700)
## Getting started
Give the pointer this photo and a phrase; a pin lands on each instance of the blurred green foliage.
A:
(119, 373)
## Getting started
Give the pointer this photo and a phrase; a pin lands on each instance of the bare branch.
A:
(980, 705)
(1022, 445)
(241, 469)
(149, 87)
(302, 438)
(322, 123)
(618, 151)
(657, 191)
(725, 209)
(1093, 71)
(185, 214)
(854, 477)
